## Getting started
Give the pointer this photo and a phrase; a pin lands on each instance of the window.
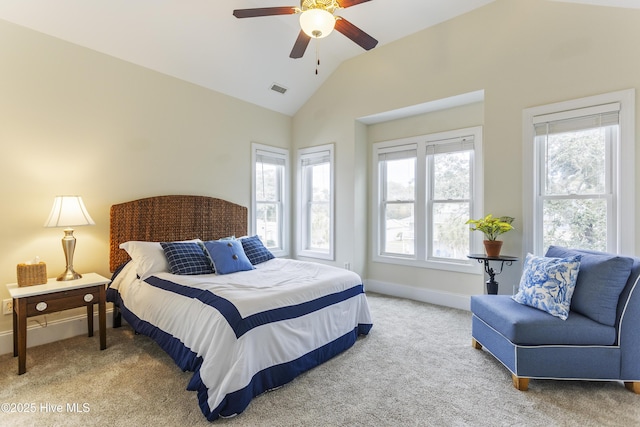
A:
(449, 191)
(427, 188)
(269, 201)
(316, 202)
(578, 192)
(398, 200)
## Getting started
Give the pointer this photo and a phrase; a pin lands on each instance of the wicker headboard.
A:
(173, 218)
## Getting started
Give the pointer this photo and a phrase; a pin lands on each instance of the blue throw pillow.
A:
(186, 258)
(548, 283)
(600, 282)
(227, 256)
(255, 250)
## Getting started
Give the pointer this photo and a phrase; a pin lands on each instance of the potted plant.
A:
(492, 228)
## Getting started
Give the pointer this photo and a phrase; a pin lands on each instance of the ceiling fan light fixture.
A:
(317, 23)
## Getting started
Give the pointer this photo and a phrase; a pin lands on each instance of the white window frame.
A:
(284, 223)
(302, 238)
(423, 236)
(394, 150)
(622, 187)
(439, 143)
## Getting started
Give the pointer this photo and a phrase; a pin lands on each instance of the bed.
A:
(250, 330)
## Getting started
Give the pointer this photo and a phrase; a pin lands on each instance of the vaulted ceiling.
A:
(200, 41)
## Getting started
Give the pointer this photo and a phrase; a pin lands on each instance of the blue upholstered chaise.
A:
(600, 339)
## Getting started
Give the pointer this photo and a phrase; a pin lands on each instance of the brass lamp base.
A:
(69, 246)
(69, 274)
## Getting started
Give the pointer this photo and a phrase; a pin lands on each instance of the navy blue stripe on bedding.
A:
(242, 325)
(272, 377)
(186, 359)
(228, 310)
(267, 379)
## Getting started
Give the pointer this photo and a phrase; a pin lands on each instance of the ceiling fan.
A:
(317, 20)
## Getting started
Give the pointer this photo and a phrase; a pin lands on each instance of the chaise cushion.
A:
(524, 325)
(600, 282)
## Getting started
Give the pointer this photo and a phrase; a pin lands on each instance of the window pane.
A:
(319, 216)
(576, 162)
(399, 229)
(450, 233)
(267, 224)
(320, 220)
(267, 181)
(575, 223)
(401, 179)
(451, 175)
(320, 182)
(316, 232)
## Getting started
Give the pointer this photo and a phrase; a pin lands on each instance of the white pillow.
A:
(148, 257)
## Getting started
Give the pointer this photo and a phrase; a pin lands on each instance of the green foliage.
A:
(490, 226)
(574, 189)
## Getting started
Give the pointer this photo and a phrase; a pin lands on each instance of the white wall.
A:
(74, 121)
(77, 122)
(522, 53)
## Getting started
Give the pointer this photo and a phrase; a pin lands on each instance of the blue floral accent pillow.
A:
(548, 283)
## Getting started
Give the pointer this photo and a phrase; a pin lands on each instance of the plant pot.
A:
(492, 248)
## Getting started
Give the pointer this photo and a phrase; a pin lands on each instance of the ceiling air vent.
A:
(277, 88)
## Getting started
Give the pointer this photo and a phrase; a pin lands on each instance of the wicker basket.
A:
(32, 274)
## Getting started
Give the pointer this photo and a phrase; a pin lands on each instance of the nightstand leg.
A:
(102, 317)
(15, 329)
(21, 317)
(90, 319)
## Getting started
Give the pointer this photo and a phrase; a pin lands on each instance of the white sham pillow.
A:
(149, 257)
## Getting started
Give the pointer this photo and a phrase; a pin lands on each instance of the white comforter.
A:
(248, 331)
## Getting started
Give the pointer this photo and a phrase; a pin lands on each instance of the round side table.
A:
(492, 285)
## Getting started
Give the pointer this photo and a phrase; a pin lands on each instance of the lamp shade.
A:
(68, 211)
(317, 23)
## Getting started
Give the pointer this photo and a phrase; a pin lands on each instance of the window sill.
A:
(316, 254)
(463, 266)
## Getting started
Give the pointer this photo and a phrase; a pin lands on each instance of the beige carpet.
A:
(416, 367)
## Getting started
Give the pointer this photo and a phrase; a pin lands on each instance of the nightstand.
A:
(56, 296)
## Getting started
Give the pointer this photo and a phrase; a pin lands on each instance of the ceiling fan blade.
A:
(361, 38)
(348, 3)
(300, 45)
(264, 11)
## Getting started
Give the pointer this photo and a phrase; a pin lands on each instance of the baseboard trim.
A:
(55, 330)
(446, 299)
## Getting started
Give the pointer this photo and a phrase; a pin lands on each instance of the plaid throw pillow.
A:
(255, 250)
(186, 258)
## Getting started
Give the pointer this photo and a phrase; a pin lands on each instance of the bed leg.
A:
(520, 383)
(117, 317)
(475, 344)
(633, 386)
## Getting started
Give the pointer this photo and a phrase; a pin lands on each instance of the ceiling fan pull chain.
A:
(317, 55)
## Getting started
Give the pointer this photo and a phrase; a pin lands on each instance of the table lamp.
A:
(68, 211)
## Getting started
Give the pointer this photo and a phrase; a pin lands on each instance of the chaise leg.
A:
(475, 344)
(520, 383)
(633, 386)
